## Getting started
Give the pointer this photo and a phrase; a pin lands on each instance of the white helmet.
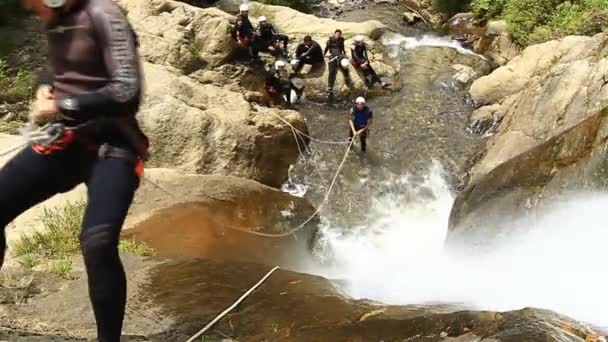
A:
(54, 3)
(262, 18)
(279, 64)
(294, 62)
(359, 39)
(360, 100)
(344, 63)
(244, 8)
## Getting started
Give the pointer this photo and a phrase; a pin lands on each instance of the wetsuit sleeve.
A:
(326, 48)
(371, 114)
(119, 49)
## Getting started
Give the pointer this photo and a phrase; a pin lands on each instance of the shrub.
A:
(487, 8)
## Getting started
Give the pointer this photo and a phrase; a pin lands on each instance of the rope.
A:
(327, 193)
(301, 225)
(230, 308)
(308, 136)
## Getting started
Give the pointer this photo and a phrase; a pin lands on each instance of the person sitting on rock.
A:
(278, 83)
(244, 17)
(269, 40)
(337, 53)
(86, 102)
(309, 52)
(243, 35)
(360, 59)
(360, 121)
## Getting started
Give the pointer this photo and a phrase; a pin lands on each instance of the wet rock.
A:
(548, 89)
(486, 119)
(464, 74)
(411, 18)
(218, 216)
(170, 300)
(551, 139)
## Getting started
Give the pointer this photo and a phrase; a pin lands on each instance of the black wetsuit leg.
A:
(371, 72)
(111, 187)
(333, 71)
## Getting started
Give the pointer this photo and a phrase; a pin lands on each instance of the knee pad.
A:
(98, 242)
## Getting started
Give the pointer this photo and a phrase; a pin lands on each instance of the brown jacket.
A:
(94, 66)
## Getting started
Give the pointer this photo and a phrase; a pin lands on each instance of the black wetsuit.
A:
(359, 56)
(95, 74)
(310, 55)
(278, 86)
(267, 36)
(335, 46)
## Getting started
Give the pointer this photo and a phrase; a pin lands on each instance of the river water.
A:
(386, 218)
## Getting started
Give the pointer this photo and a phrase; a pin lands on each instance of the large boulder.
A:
(551, 105)
(171, 300)
(548, 89)
(222, 217)
(177, 34)
(297, 24)
(205, 128)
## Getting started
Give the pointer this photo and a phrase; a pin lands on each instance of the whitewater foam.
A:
(393, 42)
(556, 263)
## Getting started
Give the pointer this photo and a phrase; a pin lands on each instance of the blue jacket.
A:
(360, 117)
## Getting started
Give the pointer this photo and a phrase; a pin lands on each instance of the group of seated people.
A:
(265, 38)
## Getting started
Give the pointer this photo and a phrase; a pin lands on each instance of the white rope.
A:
(314, 214)
(308, 136)
(230, 308)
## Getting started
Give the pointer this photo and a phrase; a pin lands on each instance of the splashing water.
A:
(394, 42)
(556, 263)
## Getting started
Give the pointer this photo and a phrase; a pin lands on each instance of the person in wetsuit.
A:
(360, 121)
(360, 59)
(243, 32)
(335, 47)
(308, 52)
(244, 36)
(93, 83)
(269, 40)
(277, 84)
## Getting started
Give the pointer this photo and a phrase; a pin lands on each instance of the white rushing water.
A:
(393, 42)
(558, 263)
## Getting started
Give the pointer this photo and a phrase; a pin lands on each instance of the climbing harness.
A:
(234, 305)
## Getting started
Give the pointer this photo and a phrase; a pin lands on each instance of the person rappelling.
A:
(88, 100)
(360, 121)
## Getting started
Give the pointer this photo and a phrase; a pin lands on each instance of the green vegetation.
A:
(53, 246)
(16, 86)
(536, 21)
